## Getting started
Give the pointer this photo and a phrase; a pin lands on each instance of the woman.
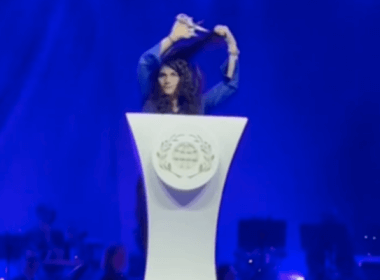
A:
(30, 265)
(170, 85)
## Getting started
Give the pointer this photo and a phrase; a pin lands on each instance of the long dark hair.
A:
(188, 91)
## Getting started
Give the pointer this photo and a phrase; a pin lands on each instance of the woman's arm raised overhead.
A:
(230, 70)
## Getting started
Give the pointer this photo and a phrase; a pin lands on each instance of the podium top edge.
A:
(183, 116)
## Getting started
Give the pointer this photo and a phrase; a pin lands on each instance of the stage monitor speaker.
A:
(261, 233)
(327, 235)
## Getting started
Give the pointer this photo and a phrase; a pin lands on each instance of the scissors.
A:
(189, 22)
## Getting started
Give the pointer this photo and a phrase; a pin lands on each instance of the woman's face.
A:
(168, 79)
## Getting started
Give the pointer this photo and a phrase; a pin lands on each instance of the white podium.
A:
(185, 160)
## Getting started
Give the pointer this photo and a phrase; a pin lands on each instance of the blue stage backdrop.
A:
(310, 86)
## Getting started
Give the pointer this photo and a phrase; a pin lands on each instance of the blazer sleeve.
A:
(147, 65)
(222, 90)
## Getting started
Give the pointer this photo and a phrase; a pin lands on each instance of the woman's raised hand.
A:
(222, 30)
(183, 28)
(225, 32)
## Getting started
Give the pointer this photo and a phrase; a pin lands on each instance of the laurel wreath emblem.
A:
(163, 153)
(207, 155)
(205, 148)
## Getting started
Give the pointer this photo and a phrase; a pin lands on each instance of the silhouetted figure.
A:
(30, 268)
(329, 253)
(45, 241)
(48, 243)
(115, 261)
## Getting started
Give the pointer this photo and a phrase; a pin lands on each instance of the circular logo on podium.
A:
(185, 157)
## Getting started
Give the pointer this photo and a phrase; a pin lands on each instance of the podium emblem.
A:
(186, 157)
